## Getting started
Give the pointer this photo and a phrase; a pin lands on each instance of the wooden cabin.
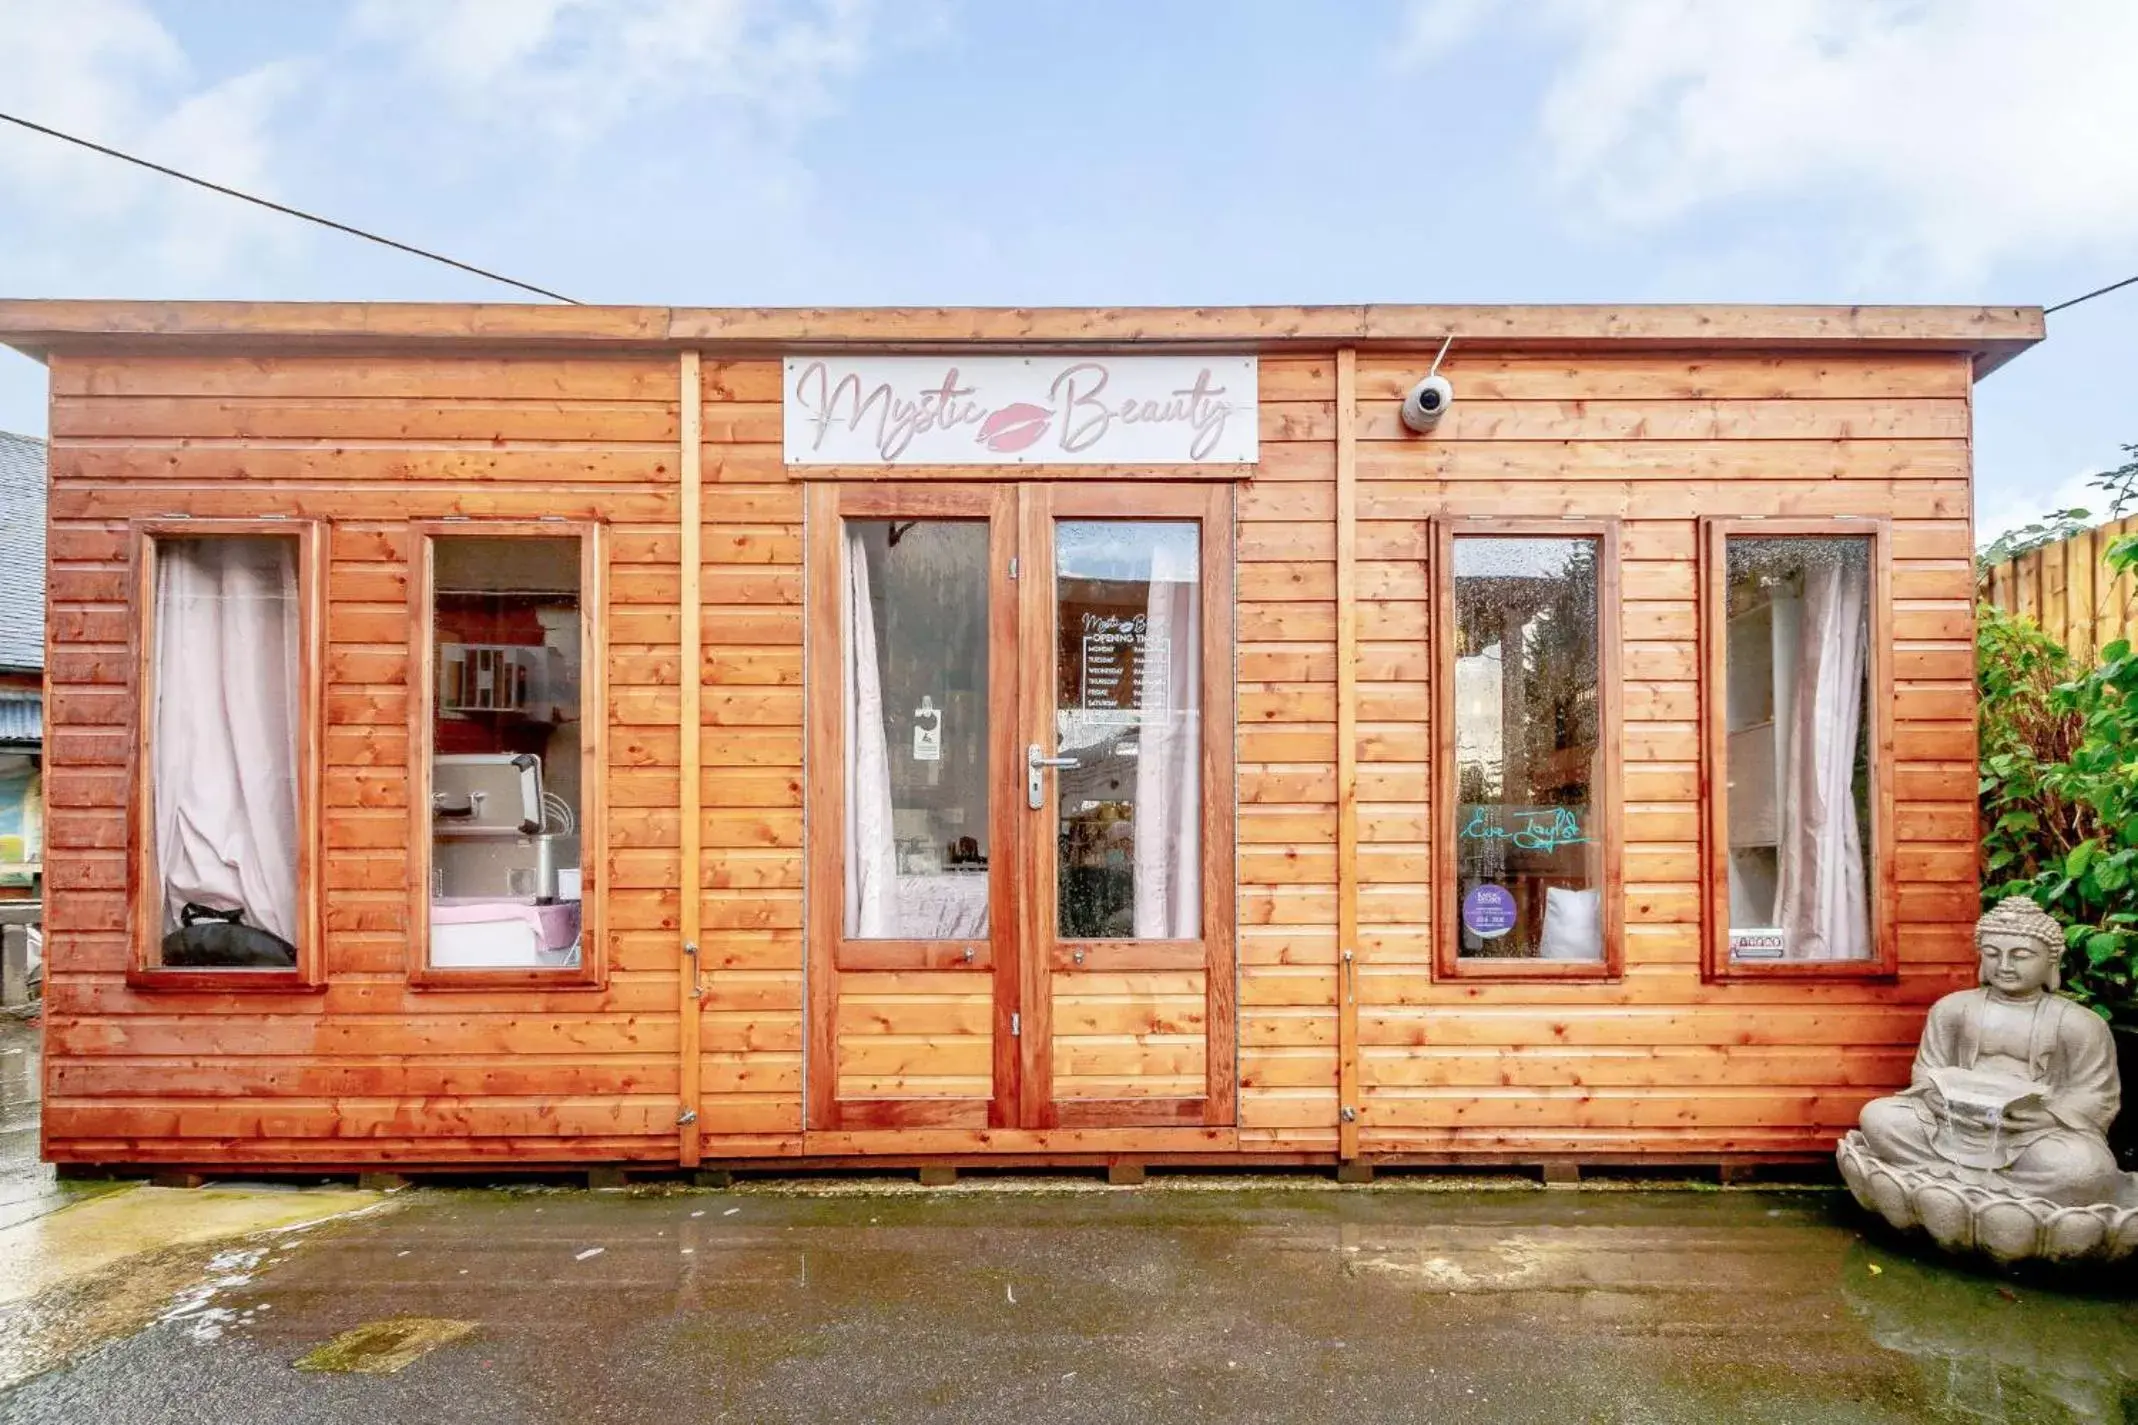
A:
(551, 736)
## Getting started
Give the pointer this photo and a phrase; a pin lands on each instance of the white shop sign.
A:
(1020, 410)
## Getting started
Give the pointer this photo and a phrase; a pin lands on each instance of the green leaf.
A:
(2081, 854)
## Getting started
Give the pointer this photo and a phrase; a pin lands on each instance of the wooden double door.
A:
(1020, 806)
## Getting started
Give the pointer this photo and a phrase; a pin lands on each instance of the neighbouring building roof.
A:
(22, 552)
(22, 717)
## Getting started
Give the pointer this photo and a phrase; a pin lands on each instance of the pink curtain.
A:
(225, 730)
(1823, 899)
(871, 871)
(1167, 828)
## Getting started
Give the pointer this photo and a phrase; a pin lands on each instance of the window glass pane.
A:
(506, 732)
(1796, 754)
(1529, 854)
(1128, 710)
(222, 780)
(914, 613)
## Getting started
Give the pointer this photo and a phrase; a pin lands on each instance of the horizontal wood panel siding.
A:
(369, 1070)
(750, 741)
(1287, 772)
(916, 1034)
(1659, 1062)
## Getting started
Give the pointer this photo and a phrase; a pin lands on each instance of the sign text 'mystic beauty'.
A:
(1020, 410)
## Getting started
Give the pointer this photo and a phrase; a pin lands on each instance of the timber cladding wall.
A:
(370, 1069)
(1332, 637)
(751, 889)
(1660, 1061)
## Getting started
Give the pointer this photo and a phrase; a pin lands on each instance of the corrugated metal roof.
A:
(22, 552)
(22, 716)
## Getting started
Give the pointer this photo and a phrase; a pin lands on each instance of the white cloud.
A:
(1434, 29)
(2001, 511)
(109, 71)
(1949, 136)
(398, 80)
(575, 68)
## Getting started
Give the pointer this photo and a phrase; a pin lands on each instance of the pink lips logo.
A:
(1014, 427)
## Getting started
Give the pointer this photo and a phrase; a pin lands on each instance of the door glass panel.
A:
(1128, 709)
(1528, 851)
(914, 626)
(1797, 750)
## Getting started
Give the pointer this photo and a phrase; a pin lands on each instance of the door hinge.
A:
(1013, 566)
(1016, 1025)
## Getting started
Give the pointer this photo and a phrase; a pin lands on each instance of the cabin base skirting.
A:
(1120, 1169)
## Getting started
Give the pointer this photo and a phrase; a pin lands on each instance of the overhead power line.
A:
(2088, 297)
(285, 209)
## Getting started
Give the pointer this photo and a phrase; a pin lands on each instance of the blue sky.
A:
(1101, 151)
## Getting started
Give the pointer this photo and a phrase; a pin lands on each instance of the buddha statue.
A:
(1999, 1143)
(2014, 1086)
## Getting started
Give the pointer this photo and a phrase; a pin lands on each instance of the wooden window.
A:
(505, 754)
(1527, 836)
(1796, 633)
(224, 838)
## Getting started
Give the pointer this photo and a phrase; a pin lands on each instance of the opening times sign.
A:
(1123, 669)
(1020, 410)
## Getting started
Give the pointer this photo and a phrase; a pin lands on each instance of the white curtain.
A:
(225, 731)
(1824, 905)
(1168, 809)
(871, 849)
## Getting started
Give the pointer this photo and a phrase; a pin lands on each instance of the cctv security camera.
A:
(1427, 402)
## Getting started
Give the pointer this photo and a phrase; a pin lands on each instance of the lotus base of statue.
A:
(1965, 1217)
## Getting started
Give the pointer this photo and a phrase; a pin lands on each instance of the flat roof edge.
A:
(38, 326)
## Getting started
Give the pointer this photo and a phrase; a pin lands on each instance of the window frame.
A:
(592, 971)
(143, 910)
(1448, 961)
(1883, 893)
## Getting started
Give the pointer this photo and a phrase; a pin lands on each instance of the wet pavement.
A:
(27, 1187)
(1183, 1300)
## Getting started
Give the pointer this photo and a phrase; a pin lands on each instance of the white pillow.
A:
(1573, 925)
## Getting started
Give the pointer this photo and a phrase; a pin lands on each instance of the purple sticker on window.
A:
(1488, 911)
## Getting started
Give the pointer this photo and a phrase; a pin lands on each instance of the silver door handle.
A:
(1035, 763)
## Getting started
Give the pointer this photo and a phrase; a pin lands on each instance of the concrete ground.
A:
(1169, 1303)
(1188, 1299)
(26, 1185)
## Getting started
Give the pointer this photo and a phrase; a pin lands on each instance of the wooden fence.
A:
(2068, 589)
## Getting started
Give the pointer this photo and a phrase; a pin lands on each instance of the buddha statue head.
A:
(2022, 948)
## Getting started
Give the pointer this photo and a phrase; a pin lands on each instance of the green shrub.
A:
(2059, 796)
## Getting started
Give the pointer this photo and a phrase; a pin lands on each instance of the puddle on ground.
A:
(384, 1348)
(53, 1327)
(1992, 1348)
(72, 1280)
(28, 1188)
